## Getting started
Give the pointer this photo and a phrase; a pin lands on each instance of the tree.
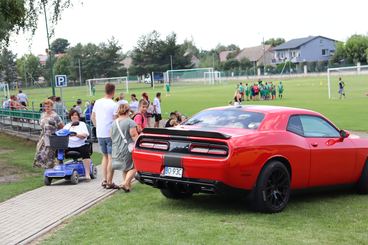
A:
(274, 41)
(59, 45)
(8, 67)
(16, 15)
(29, 68)
(340, 53)
(356, 47)
(231, 64)
(153, 54)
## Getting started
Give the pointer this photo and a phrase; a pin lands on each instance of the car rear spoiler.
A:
(194, 133)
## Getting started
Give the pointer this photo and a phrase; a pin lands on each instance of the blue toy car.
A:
(71, 170)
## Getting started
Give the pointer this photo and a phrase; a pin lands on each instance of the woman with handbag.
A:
(123, 135)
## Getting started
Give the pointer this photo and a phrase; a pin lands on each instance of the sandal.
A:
(125, 189)
(112, 186)
(104, 183)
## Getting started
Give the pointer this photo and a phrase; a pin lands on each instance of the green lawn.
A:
(310, 93)
(16, 159)
(144, 216)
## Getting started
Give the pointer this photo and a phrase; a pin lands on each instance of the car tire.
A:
(47, 180)
(272, 191)
(174, 193)
(93, 174)
(74, 178)
(363, 181)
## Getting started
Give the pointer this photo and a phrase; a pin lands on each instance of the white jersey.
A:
(157, 106)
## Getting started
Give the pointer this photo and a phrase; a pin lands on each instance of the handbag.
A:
(130, 145)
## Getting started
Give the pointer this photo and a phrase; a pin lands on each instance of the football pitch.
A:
(307, 92)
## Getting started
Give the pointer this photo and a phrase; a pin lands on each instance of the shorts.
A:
(23, 103)
(105, 145)
(84, 150)
(158, 117)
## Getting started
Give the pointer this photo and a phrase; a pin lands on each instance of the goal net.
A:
(96, 85)
(354, 80)
(189, 76)
(213, 77)
(4, 88)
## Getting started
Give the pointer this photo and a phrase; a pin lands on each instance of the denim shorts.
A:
(105, 145)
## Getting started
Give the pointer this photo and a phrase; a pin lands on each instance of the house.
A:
(307, 49)
(223, 55)
(261, 55)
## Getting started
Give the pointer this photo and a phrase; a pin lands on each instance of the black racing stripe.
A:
(171, 160)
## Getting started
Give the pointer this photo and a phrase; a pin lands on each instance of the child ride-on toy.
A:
(71, 170)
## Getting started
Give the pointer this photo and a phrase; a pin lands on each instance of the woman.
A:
(78, 142)
(50, 122)
(139, 118)
(123, 133)
(149, 111)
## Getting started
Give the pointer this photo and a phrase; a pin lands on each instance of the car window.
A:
(295, 125)
(236, 118)
(314, 126)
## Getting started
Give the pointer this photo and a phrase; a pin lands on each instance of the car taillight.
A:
(208, 149)
(164, 146)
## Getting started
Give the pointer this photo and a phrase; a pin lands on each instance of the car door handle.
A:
(314, 144)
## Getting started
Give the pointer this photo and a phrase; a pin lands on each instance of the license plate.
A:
(173, 172)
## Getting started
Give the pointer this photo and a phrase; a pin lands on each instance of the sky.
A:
(207, 23)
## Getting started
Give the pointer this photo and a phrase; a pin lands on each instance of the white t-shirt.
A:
(22, 97)
(156, 102)
(74, 141)
(104, 110)
(134, 106)
(117, 104)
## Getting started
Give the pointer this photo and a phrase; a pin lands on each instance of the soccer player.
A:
(341, 88)
(167, 86)
(241, 91)
(247, 91)
(281, 89)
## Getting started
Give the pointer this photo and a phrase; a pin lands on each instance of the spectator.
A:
(60, 108)
(120, 101)
(78, 107)
(134, 103)
(157, 109)
(149, 111)
(123, 133)
(6, 103)
(102, 118)
(173, 120)
(49, 122)
(22, 98)
(14, 104)
(78, 142)
(140, 118)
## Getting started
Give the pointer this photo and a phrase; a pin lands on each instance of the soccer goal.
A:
(5, 93)
(98, 84)
(189, 76)
(213, 77)
(354, 78)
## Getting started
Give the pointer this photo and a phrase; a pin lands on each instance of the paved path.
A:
(32, 214)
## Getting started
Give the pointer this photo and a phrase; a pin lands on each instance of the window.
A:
(237, 118)
(317, 127)
(295, 125)
(324, 52)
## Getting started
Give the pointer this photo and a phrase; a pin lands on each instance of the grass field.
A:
(310, 92)
(17, 174)
(144, 216)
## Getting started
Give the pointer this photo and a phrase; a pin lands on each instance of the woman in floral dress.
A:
(50, 122)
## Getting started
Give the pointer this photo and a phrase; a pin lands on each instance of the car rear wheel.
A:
(272, 190)
(175, 193)
(363, 181)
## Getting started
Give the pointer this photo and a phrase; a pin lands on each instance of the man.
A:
(22, 98)
(241, 91)
(121, 101)
(102, 117)
(6, 103)
(281, 89)
(157, 110)
(341, 88)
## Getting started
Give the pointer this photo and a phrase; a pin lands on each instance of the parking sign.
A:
(61, 81)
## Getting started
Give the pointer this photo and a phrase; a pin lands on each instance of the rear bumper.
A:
(195, 185)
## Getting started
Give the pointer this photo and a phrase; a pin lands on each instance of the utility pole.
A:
(171, 62)
(80, 73)
(49, 51)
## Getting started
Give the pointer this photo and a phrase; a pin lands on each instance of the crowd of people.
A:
(257, 91)
(16, 102)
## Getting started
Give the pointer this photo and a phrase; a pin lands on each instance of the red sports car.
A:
(265, 150)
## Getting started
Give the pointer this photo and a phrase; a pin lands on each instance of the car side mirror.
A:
(344, 134)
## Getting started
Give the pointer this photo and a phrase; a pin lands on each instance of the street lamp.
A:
(48, 51)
